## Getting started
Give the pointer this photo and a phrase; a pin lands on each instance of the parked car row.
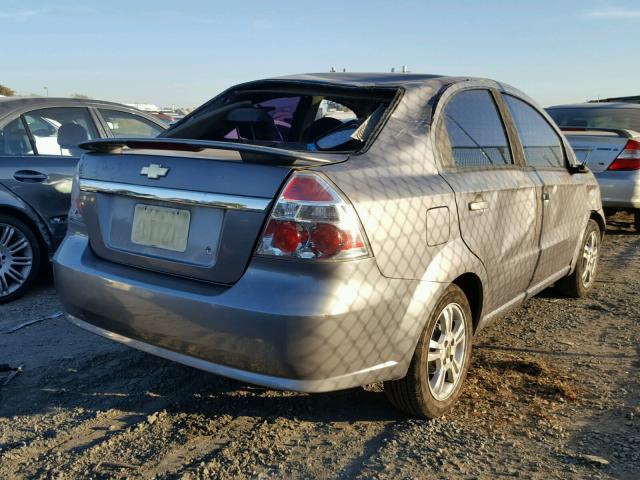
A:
(39, 151)
(263, 239)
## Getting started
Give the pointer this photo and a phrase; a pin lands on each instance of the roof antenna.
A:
(404, 69)
(333, 70)
(393, 70)
(344, 70)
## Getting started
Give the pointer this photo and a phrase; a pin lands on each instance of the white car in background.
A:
(606, 137)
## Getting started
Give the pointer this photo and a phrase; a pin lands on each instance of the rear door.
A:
(563, 195)
(41, 156)
(495, 197)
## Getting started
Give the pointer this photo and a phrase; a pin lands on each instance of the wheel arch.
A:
(44, 241)
(471, 285)
(600, 220)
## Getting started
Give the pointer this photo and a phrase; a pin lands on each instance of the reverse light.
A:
(311, 220)
(629, 158)
(77, 199)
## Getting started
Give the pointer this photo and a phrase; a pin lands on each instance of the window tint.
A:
(14, 139)
(124, 124)
(542, 146)
(475, 130)
(58, 131)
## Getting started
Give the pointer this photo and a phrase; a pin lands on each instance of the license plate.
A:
(161, 227)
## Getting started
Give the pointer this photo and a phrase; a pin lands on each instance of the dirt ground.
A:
(554, 392)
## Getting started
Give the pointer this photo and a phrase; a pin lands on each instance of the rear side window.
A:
(58, 131)
(542, 146)
(475, 130)
(123, 124)
(597, 117)
(14, 139)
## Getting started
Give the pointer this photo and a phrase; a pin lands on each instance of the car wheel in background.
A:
(583, 277)
(20, 258)
(439, 365)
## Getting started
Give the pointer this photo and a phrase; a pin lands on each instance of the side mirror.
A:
(578, 168)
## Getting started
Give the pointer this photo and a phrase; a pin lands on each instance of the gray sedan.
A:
(39, 151)
(319, 232)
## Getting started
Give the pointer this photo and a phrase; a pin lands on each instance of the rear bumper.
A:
(284, 324)
(620, 189)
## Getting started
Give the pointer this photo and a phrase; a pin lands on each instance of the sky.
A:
(184, 52)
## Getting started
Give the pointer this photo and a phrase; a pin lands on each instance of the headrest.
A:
(249, 115)
(71, 134)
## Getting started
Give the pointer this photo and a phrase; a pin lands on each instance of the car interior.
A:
(295, 118)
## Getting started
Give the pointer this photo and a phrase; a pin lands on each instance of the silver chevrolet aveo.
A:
(324, 231)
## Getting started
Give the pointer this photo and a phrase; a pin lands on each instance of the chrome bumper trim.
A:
(205, 199)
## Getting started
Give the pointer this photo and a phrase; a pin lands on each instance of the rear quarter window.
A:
(475, 131)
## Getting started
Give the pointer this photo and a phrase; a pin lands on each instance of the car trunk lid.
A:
(597, 148)
(181, 207)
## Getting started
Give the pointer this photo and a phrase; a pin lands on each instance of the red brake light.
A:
(326, 239)
(306, 188)
(312, 220)
(629, 158)
(286, 236)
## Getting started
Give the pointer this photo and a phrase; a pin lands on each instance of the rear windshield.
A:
(308, 119)
(597, 117)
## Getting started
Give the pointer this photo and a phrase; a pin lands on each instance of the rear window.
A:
(302, 118)
(476, 134)
(597, 117)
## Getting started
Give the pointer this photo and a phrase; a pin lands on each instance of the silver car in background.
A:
(606, 137)
(324, 231)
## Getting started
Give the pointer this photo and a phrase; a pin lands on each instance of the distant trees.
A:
(6, 91)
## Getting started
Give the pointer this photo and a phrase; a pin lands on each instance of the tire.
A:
(580, 282)
(417, 393)
(20, 258)
(636, 220)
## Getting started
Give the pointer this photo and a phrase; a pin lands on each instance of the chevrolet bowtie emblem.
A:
(154, 171)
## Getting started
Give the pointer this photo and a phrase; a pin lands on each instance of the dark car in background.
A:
(39, 151)
(605, 136)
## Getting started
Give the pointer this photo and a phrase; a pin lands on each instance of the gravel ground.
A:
(554, 392)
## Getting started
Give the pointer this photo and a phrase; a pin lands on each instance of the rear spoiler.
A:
(248, 153)
(619, 131)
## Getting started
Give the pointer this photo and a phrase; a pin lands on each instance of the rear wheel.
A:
(583, 277)
(19, 258)
(440, 362)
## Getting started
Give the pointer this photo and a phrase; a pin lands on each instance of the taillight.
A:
(77, 199)
(629, 158)
(311, 220)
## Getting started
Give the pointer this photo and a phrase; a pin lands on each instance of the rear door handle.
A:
(479, 205)
(30, 176)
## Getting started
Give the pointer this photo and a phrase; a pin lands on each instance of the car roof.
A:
(360, 78)
(8, 104)
(595, 105)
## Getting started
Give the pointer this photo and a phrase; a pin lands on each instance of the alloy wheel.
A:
(447, 352)
(16, 259)
(590, 259)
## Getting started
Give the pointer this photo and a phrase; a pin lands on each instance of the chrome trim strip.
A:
(360, 377)
(205, 199)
